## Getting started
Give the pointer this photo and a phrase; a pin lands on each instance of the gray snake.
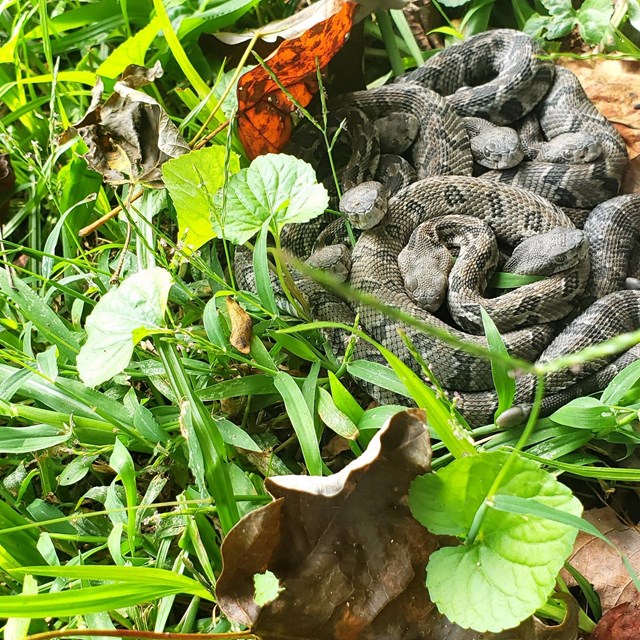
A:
(499, 76)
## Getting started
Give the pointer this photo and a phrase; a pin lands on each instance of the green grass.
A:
(139, 479)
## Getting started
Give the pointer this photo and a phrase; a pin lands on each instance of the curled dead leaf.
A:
(240, 337)
(348, 554)
(295, 25)
(600, 563)
(620, 623)
(129, 136)
(264, 123)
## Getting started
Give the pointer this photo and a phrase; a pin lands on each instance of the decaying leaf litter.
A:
(135, 158)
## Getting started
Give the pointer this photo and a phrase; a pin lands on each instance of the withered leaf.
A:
(296, 24)
(264, 124)
(601, 565)
(347, 553)
(129, 136)
(620, 623)
(240, 337)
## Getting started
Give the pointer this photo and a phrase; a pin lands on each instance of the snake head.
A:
(427, 290)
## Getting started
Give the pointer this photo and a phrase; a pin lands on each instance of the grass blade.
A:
(301, 420)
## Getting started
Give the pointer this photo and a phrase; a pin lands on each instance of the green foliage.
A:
(592, 19)
(193, 180)
(276, 189)
(122, 318)
(119, 496)
(267, 588)
(508, 565)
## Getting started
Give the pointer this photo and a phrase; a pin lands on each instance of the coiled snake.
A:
(573, 161)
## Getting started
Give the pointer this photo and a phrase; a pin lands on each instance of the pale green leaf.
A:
(266, 588)
(333, 417)
(510, 568)
(275, 187)
(122, 317)
(193, 181)
(593, 19)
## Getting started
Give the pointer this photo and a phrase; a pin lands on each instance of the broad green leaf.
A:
(18, 545)
(634, 14)
(563, 18)
(213, 325)
(453, 3)
(585, 413)
(297, 346)
(123, 575)
(374, 419)
(122, 462)
(266, 588)
(504, 383)
(277, 188)
(122, 318)
(301, 420)
(193, 181)
(623, 382)
(76, 470)
(503, 280)
(532, 507)
(378, 374)
(335, 419)
(47, 361)
(510, 568)
(344, 401)
(233, 435)
(255, 385)
(446, 425)
(35, 438)
(593, 19)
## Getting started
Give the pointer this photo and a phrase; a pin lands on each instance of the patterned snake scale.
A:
(499, 76)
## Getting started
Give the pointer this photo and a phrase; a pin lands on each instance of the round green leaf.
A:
(510, 568)
(275, 187)
(122, 317)
(193, 181)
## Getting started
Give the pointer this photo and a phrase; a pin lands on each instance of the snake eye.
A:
(411, 283)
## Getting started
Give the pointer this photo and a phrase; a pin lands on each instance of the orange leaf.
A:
(264, 122)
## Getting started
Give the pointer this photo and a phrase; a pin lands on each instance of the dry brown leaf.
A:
(240, 337)
(130, 135)
(620, 623)
(296, 24)
(601, 565)
(614, 87)
(348, 553)
(264, 122)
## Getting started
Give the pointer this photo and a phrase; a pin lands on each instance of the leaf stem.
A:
(526, 433)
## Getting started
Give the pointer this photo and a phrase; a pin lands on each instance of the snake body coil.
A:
(574, 160)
